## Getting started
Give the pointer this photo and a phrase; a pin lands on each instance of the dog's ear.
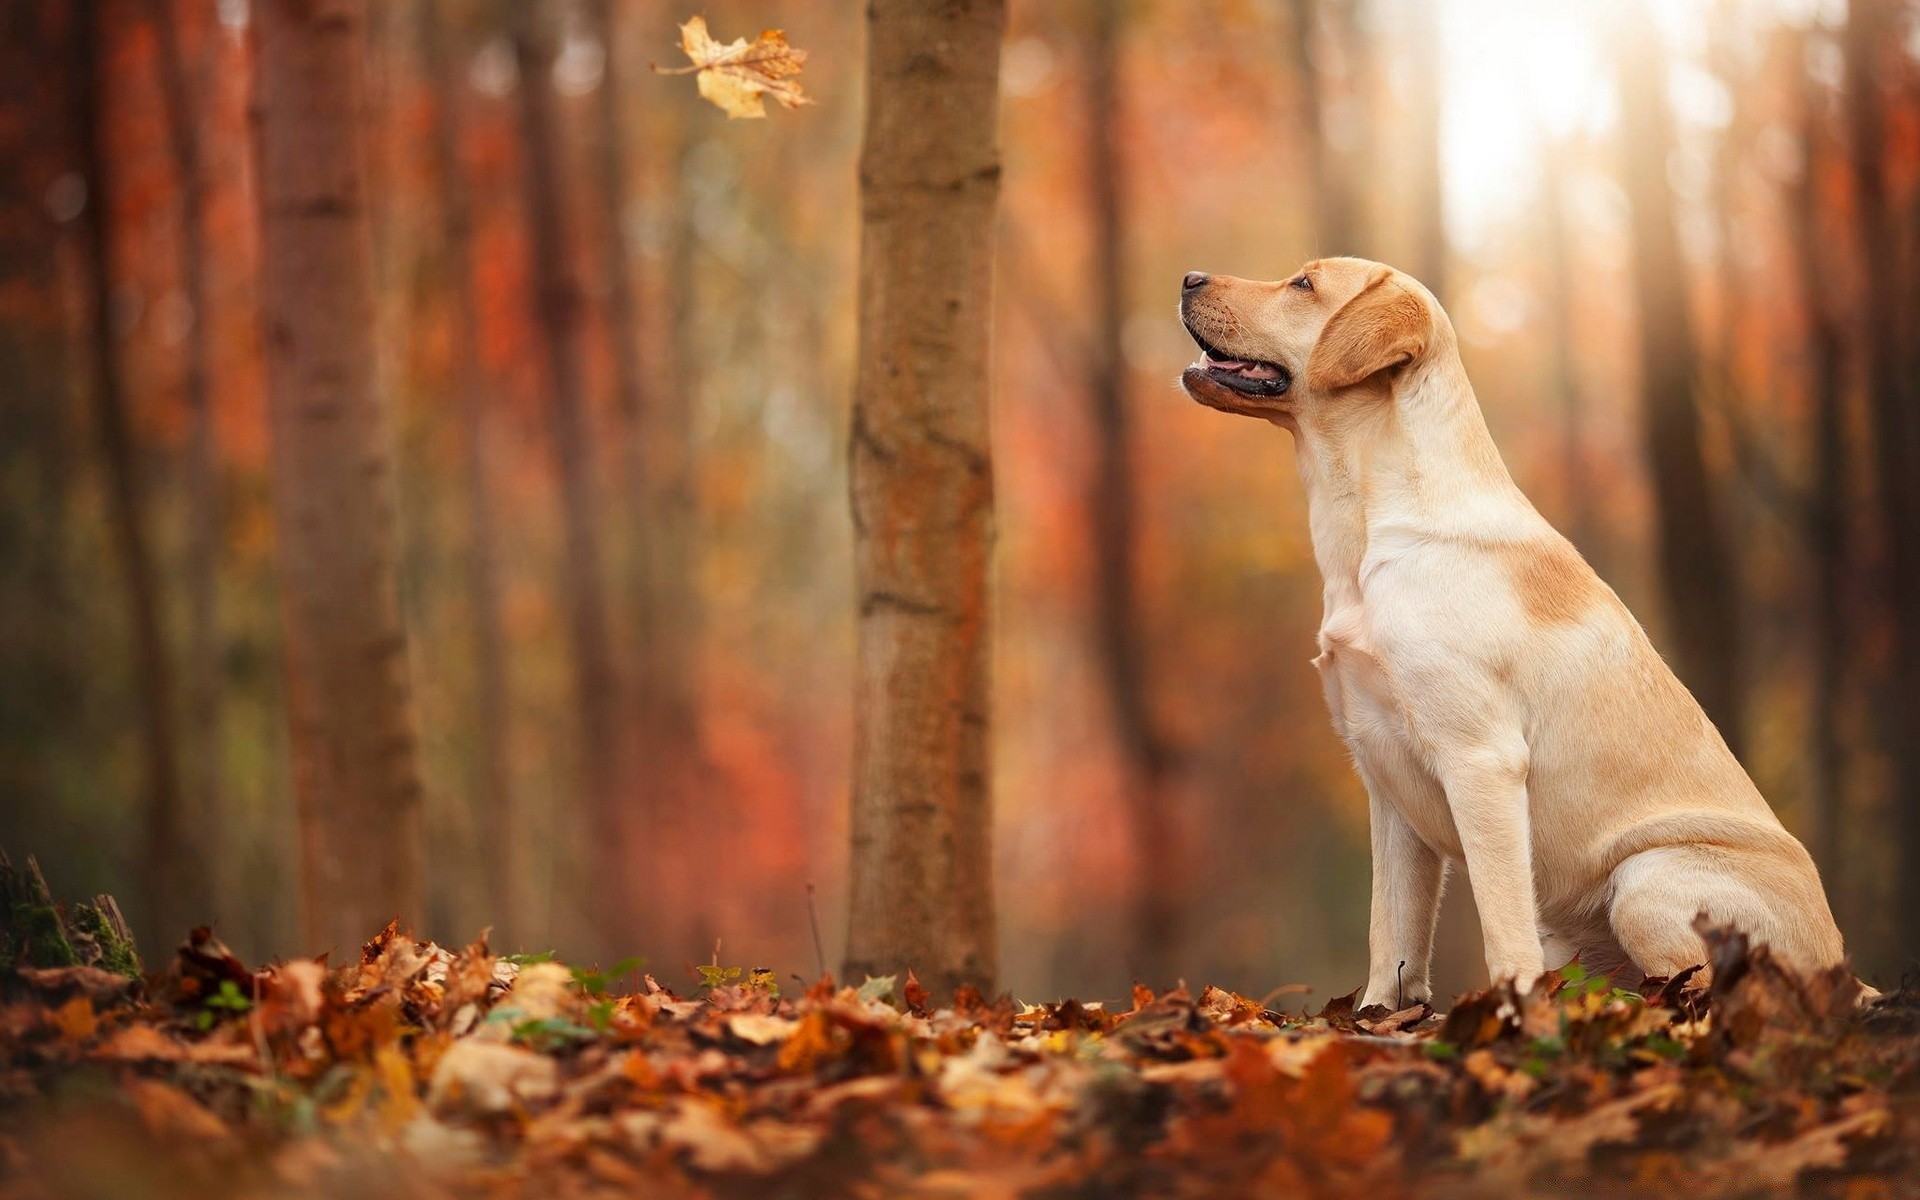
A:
(1385, 326)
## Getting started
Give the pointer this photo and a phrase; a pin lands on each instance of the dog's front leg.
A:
(1486, 785)
(1407, 875)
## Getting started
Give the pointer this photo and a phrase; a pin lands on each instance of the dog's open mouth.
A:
(1249, 377)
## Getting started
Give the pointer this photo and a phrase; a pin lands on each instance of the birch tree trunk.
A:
(1697, 567)
(922, 495)
(171, 878)
(355, 773)
(559, 313)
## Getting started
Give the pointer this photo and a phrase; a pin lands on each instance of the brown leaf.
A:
(170, 1114)
(738, 75)
(101, 987)
(1753, 1163)
(916, 996)
(484, 1078)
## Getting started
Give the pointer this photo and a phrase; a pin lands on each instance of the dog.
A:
(1503, 708)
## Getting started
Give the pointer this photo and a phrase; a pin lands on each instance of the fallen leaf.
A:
(170, 1114)
(485, 1078)
(761, 1030)
(75, 1020)
(738, 75)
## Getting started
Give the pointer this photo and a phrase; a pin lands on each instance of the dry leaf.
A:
(75, 1020)
(170, 1114)
(738, 75)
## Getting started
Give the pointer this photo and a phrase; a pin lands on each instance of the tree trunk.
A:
(494, 815)
(171, 879)
(180, 81)
(558, 312)
(1828, 544)
(1870, 33)
(1429, 189)
(1336, 217)
(1576, 484)
(1696, 564)
(1113, 507)
(355, 773)
(922, 495)
(661, 695)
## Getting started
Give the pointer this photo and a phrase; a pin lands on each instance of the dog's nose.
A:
(1193, 280)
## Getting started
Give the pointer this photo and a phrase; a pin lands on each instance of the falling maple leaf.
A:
(737, 75)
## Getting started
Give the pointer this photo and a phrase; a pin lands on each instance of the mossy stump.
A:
(38, 931)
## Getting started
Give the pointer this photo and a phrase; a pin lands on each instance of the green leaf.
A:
(878, 987)
(716, 976)
(229, 997)
(1573, 972)
(1443, 1051)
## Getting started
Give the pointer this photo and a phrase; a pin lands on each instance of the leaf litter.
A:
(463, 1073)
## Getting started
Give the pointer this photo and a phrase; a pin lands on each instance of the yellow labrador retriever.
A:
(1504, 709)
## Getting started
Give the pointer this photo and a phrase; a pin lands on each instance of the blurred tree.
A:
(171, 879)
(494, 808)
(922, 494)
(559, 313)
(1428, 193)
(1326, 122)
(1828, 541)
(1576, 484)
(1872, 32)
(356, 778)
(1697, 567)
(1113, 503)
(664, 732)
(180, 87)
(43, 707)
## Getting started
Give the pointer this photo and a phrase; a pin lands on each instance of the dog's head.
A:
(1272, 350)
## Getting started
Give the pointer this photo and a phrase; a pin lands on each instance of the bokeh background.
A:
(1608, 196)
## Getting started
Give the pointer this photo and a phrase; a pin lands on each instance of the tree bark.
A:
(494, 816)
(356, 777)
(1828, 543)
(922, 496)
(180, 87)
(1891, 399)
(559, 313)
(170, 877)
(1696, 564)
(1113, 506)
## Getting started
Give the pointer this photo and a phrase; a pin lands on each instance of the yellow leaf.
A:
(75, 1020)
(738, 75)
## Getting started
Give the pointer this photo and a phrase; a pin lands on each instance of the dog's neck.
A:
(1399, 456)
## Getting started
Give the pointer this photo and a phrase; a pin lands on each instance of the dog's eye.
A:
(1303, 282)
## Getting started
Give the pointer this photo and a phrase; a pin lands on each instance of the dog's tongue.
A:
(1241, 366)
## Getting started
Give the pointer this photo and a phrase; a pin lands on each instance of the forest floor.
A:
(419, 1070)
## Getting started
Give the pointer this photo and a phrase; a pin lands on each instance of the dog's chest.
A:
(1360, 694)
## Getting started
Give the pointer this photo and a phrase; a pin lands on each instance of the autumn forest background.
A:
(614, 346)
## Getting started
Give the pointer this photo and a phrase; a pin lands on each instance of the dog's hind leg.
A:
(1657, 894)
